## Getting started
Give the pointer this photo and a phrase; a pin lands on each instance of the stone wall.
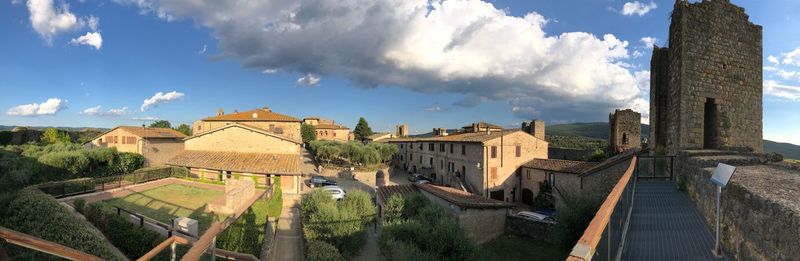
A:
(760, 209)
(714, 57)
(624, 130)
(526, 228)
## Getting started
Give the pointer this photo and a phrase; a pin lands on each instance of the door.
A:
(498, 195)
(527, 196)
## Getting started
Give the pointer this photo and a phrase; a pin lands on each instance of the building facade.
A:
(482, 158)
(706, 87)
(262, 118)
(328, 129)
(157, 145)
(624, 130)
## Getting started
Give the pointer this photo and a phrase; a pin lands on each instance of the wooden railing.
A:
(45, 246)
(587, 245)
(156, 250)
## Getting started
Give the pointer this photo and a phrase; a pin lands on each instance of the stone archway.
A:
(527, 196)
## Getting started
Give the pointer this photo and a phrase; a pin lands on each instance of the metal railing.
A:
(74, 187)
(655, 167)
(604, 238)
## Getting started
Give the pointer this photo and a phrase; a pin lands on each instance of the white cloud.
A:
(146, 118)
(776, 89)
(93, 22)
(468, 48)
(308, 80)
(203, 50)
(637, 8)
(160, 98)
(790, 58)
(773, 59)
(49, 107)
(93, 39)
(96, 111)
(648, 41)
(434, 109)
(269, 71)
(49, 20)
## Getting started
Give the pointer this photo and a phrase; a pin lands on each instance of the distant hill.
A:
(41, 128)
(599, 130)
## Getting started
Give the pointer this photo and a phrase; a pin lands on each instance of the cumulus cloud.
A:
(776, 89)
(773, 59)
(49, 107)
(308, 80)
(93, 39)
(648, 41)
(637, 8)
(463, 47)
(160, 98)
(96, 111)
(48, 20)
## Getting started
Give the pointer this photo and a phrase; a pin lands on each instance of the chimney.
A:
(236, 111)
(266, 108)
(440, 131)
(220, 112)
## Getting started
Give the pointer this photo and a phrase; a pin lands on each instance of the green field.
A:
(510, 247)
(171, 201)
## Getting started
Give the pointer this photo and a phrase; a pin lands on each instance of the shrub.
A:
(75, 163)
(339, 224)
(32, 212)
(322, 251)
(79, 204)
(393, 209)
(393, 249)
(128, 162)
(129, 238)
(573, 216)
(247, 234)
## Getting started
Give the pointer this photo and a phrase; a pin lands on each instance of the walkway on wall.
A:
(665, 225)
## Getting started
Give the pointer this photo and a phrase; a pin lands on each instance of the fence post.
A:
(141, 221)
(63, 188)
(118, 211)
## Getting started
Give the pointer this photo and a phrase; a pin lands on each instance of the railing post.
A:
(671, 168)
(173, 248)
(141, 221)
(118, 211)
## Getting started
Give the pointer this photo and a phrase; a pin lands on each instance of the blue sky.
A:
(428, 64)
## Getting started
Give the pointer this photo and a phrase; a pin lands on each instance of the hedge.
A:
(322, 251)
(341, 224)
(246, 235)
(32, 212)
(128, 237)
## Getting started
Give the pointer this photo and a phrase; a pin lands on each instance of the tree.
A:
(362, 130)
(308, 132)
(161, 124)
(52, 136)
(185, 129)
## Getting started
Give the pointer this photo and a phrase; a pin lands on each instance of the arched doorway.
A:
(527, 196)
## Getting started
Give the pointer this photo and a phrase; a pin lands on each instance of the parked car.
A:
(320, 181)
(338, 193)
(416, 176)
(422, 181)
(534, 216)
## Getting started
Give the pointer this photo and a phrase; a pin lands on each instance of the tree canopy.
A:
(185, 129)
(161, 124)
(308, 132)
(53, 135)
(362, 130)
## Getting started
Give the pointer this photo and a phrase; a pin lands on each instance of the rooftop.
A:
(325, 126)
(478, 137)
(385, 192)
(567, 166)
(153, 133)
(462, 198)
(257, 163)
(253, 115)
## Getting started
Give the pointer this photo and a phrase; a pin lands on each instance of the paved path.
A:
(289, 238)
(666, 226)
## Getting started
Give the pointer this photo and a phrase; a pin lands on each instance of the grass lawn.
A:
(171, 201)
(510, 247)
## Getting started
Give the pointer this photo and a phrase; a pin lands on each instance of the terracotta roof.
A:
(378, 135)
(330, 126)
(257, 163)
(250, 127)
(462, 198)
(567, 166)
(385, 192)
(484, 125)
(261, 115)
(150, 133)
(478, 137)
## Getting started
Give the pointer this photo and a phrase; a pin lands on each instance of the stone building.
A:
(706, 87)
(157, 145)
(624, 130)
(401, 130)
(328, 129)
(481, 158)
(262, 118)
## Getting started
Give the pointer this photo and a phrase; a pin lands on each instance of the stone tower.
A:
(624, 130)
(706, 87)
(401, 130)
(535, 128)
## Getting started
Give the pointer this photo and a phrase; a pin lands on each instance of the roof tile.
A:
(257, 163)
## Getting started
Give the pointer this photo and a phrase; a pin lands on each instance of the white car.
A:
(533, 216)
(422, 181)
(336, 192)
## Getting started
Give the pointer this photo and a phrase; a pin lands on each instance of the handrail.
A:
(587, 244)
(42, 245)
(155, 251)
(234, 255)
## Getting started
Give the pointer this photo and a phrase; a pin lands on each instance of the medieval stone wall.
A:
(715, 52)
(625, 130)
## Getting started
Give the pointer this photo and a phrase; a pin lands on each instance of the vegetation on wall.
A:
(352, 153)
(308, 132)
(32, 212)
(362, 130)
(424, 231)
(341, 224)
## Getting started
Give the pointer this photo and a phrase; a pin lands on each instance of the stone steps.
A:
(700, 153)
(733, 160)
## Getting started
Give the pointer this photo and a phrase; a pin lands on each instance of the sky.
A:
(429, 64)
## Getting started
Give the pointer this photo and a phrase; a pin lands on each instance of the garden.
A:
(371, 156)
(335, 230)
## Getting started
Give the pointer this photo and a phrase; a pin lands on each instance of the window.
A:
(420, 159)
(401, 157)
(519, 151)
(124, 139)
(494, 152)
(334, 134)
(551, 179)
(420, 146)
(116, 139)
(494, 174)
(624, 138)
(199, 127)
(431, 162)
(528, 174)
(463, 149)
(441, 164)
(401, 146)
(441, 147)
(131, 140)
(451, 148)
(430, 146)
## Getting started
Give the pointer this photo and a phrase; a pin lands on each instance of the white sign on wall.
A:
(722, 174)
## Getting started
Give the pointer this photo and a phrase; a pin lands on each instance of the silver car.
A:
(338, 193)
(533, 216)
